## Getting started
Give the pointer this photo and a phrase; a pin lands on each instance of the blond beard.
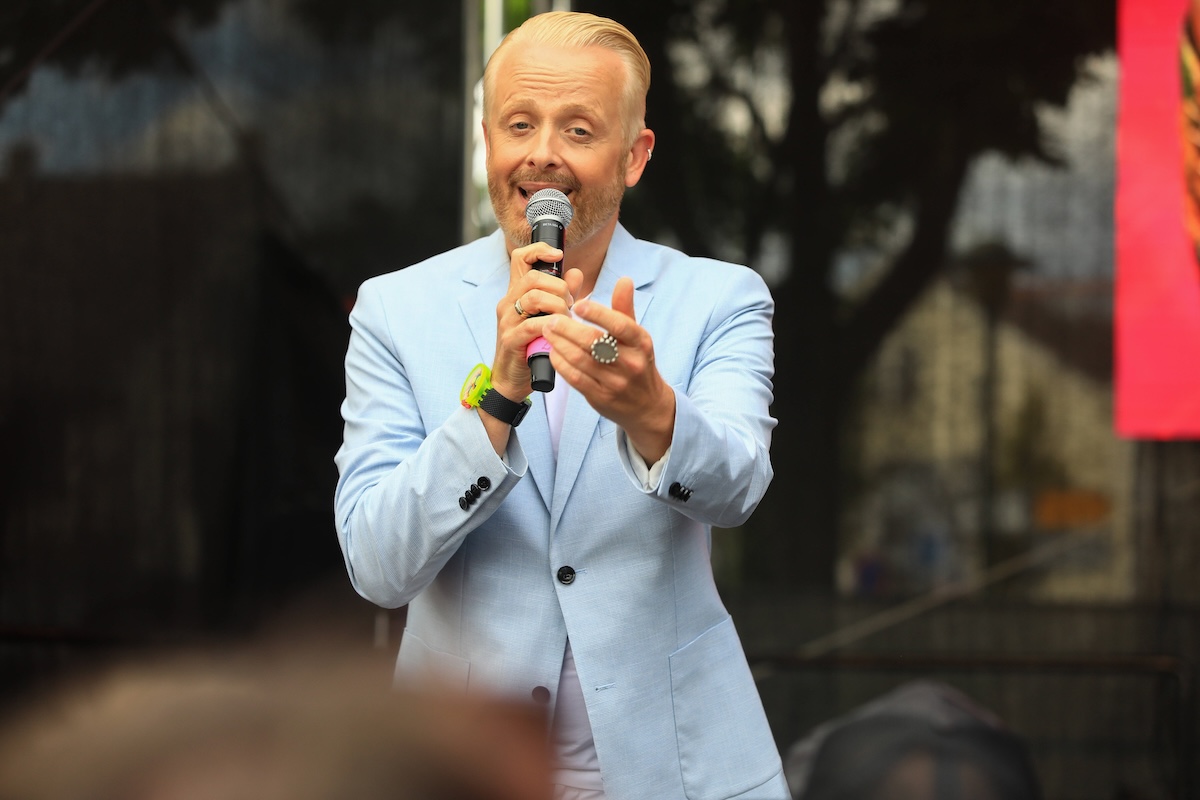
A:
(593, 207)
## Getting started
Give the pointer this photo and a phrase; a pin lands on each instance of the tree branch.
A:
(68, 30)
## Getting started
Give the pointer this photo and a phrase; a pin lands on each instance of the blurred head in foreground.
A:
(924, 740)
(205, 730)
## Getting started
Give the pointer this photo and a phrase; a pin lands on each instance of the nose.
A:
(543, 153)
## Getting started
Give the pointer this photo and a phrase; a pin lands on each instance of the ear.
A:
(639, 155)
(487, 140)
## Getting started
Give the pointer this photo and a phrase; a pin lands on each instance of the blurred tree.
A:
(117, 37)
(863, 151)
(112, 37)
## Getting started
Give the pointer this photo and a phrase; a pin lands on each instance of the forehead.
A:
(581, 76)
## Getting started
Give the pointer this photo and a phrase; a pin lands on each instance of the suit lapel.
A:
(581, 419)
(485, 283)
(535, 440)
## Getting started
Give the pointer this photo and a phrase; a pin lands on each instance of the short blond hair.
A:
(579, 29)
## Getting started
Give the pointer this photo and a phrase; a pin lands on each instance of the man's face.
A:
(556, 119)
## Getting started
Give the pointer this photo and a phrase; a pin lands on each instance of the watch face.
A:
(521, 412)
(472, 387)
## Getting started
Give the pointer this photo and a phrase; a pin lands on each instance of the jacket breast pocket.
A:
(725, 744)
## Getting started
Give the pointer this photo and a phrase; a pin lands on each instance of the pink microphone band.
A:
(538, 345)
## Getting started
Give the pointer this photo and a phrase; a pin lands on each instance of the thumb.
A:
(574, 279)
(622, 297)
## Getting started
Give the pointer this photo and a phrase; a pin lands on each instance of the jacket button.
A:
(484, 482)
(463, 504)
(476, 490)
(679, 491)
(541, 694)
(566, 576)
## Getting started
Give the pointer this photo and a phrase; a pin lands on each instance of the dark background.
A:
(192, 190)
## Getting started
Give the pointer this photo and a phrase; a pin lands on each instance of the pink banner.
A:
(1157, 357)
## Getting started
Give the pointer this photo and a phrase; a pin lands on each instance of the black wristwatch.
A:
(502, 408)
(478, 392)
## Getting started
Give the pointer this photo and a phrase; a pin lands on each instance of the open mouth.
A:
(526, 193)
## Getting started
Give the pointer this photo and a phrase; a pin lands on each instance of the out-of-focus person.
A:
(244, 729)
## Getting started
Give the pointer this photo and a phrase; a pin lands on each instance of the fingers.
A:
(620, 320)
(533, 297)
(571, 356)
(622, 298)
(532, 291)
(574, 279)
(623, 389)
(534, 302)
(621, 383)
(524, 258)
(573, 340)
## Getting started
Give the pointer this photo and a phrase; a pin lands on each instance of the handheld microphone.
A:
(549, 213)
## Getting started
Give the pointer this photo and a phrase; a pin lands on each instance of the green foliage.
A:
(515, 12)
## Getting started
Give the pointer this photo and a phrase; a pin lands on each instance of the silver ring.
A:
(517, 306)
(604, 349)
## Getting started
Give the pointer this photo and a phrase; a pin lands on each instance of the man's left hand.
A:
(629, 391)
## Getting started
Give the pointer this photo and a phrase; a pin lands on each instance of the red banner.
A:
(1157, 342)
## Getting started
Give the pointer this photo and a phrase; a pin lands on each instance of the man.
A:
(568, 561)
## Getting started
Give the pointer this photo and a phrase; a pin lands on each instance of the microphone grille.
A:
(549, 203)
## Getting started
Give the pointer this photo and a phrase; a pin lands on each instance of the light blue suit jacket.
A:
(672, 704)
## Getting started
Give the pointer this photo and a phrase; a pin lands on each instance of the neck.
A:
(588, 256)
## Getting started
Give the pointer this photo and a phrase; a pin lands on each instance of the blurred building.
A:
(923, 457)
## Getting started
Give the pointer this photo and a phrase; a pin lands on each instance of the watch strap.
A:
(503, 409)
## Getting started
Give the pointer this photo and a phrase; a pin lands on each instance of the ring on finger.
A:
(517, 307)
(604, 349)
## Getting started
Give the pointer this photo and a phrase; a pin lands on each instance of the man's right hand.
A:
(539, 293)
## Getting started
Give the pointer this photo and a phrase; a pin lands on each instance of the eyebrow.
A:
(517, 105)
(580, 110)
